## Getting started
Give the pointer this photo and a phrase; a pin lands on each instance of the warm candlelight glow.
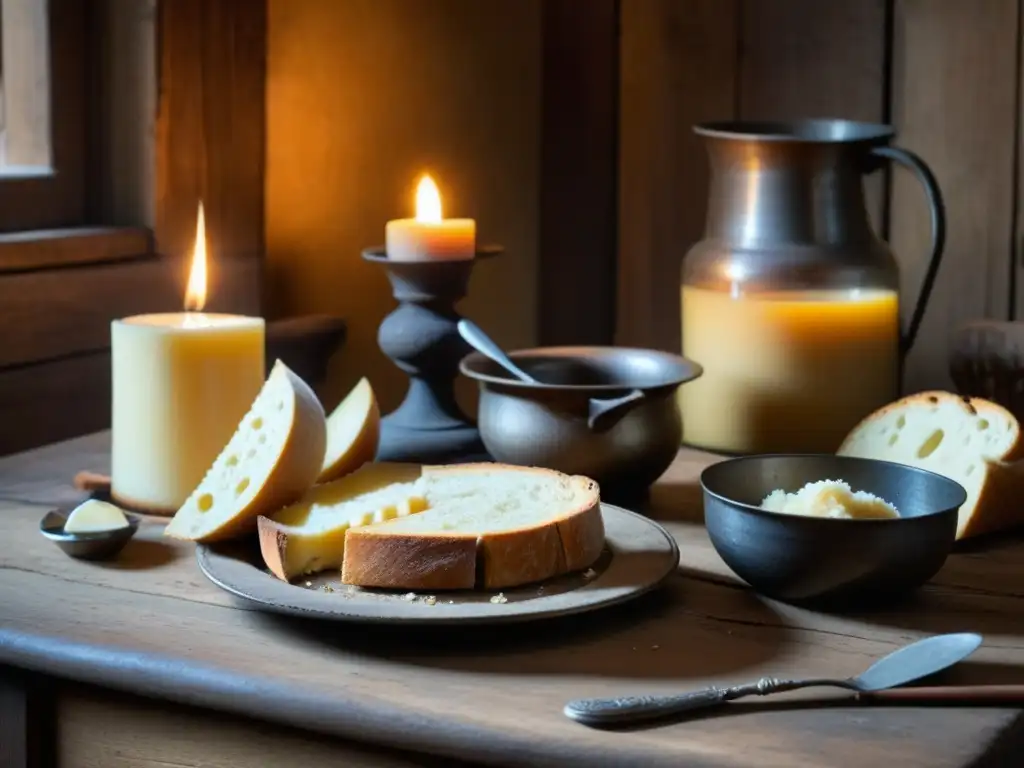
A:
(428, 201)
(195, 293)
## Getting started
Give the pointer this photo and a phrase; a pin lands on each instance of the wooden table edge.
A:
(181, 681)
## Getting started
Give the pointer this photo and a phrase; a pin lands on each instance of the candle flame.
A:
(195, 293)
(428, 201)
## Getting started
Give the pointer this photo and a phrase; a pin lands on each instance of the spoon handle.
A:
(631, 709)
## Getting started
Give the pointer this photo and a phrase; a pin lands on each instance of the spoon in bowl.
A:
(484, 344)
(909, 663)
(602, 412)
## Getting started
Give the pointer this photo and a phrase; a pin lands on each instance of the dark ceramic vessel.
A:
(609, 413)
(421, 338)
(830, 561)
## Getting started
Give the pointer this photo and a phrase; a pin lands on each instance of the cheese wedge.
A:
(973, 441)
(353, 433)
(309, 535)
(273, 458)
(95, 516)
(487, 525)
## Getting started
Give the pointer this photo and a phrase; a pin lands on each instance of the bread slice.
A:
(273, 458)
(972, 441)
(353, 433)
(487, 525)
(309, 535)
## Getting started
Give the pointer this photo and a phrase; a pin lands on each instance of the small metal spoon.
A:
(485, 345)
(909, 663)
(98, 545)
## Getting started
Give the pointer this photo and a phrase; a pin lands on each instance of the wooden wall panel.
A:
(55, 400)
(955, 104)
(579, 132)
(677, 68)
(211, 126)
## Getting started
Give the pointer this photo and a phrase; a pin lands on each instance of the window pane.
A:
(25, 135)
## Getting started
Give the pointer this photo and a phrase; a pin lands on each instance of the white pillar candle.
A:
(429, 236)
(181, 383)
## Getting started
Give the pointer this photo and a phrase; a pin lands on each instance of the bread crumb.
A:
(409, 597)
(499, 598)
(309, 583)
(328, 588)
(430, 600)
(589, 573)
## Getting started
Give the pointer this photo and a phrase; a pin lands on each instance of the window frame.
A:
(46, 200)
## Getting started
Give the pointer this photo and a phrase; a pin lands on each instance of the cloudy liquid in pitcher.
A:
(792, 371)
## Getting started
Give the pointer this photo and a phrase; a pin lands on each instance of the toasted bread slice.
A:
(487, 525)
(273, 458)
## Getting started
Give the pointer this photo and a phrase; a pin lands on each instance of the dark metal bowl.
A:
(609, 413)
(822, 560)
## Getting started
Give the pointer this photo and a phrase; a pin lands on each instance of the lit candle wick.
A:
(195, 292)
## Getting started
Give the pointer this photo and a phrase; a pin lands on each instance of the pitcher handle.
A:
(924, 174)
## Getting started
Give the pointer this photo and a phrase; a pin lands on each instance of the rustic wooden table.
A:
(143, 662)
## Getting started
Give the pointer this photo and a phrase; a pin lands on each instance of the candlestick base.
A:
(421, 337)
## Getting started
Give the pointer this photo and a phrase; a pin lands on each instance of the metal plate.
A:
(639, 554)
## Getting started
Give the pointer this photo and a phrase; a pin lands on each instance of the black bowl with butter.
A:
(827, 561)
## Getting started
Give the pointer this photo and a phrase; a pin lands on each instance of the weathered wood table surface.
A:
(143, 663)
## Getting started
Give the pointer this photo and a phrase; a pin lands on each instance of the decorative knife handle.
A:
(630, 709)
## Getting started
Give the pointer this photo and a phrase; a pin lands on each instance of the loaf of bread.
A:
(309, 535)
(273, 457)
(486, 525)
(353, 433)
(975, 442)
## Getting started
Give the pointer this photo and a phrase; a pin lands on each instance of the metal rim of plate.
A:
(639, 556)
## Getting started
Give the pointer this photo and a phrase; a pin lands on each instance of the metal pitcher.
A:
(791, 301)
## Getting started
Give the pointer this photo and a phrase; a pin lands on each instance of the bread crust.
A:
(409, 562)
(273, 546)
(998, 505)
(295, 470)
(504, 559)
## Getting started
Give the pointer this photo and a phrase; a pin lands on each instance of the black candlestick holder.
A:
(421, 337)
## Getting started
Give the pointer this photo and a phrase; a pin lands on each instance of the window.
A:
(43, 122)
